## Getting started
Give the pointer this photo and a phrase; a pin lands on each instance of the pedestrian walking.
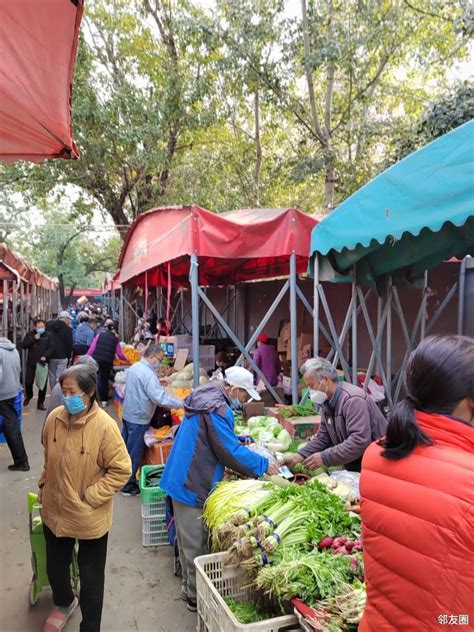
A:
(55, 398)
(40, 346)
(61, 330)
(103, 349)
(10, 373)
(84, 335)
(85, 465)
(143, 392)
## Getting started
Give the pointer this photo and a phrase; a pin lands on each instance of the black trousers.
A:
(103, 377)
(91, 559)
(29, 382)
(11, 430)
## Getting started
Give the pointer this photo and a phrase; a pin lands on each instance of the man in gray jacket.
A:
(143, 393)
(10, 371)
(350, 420)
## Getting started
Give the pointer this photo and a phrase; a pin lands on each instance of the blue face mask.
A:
(236, 405)
(74, 404)
(40, 330)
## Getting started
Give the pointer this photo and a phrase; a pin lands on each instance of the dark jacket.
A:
(104, 352)
(349, 424)
(38, 348)
(62, 339)
(204, 446)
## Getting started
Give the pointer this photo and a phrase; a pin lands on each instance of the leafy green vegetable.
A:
(246, 611)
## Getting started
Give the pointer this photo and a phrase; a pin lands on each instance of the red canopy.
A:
(38, 42)
(244, 245)
(18, 266)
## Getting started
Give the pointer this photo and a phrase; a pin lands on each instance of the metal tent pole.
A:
(294, 330)
(354, 330)
(121, 315)
(5, 308)
(462, 294)
(316, 306)
(14, 305)
(389, 336)
(194, 278)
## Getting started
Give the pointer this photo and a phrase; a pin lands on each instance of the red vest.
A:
(418, 530)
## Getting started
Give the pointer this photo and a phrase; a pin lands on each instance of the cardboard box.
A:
(305, 340)
(253, 409)
(305, 427)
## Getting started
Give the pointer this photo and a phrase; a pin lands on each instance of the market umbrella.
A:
(38, 43)
(408, 219)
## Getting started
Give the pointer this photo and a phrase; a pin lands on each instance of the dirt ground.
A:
(141, 592)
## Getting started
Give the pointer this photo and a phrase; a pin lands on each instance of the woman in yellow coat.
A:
(85, 464)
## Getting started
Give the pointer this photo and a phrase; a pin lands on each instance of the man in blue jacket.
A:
(143, 393)
(205, 444)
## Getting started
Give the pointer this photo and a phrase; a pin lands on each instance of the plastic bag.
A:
(351, 479)
(41, 375)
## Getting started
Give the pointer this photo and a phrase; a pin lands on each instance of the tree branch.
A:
(424, 12)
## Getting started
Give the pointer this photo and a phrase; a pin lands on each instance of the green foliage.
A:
(226, 107)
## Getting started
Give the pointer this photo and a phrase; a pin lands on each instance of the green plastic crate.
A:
(150, 495)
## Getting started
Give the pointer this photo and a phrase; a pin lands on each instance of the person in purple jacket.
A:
(350, 420)
(267, 360)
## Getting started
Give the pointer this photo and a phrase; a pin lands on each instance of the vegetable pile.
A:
(297, 410)
(267, 431)
(293, 542)
(184, 379)
(246, 611)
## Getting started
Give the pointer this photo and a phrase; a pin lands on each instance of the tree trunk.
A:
(258, 148)
(330, 180)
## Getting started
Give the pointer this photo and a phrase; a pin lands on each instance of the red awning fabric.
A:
(88, 292)
(232, 247)
(38, 43)
(24, 271)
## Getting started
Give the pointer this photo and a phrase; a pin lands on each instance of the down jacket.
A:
(85, 464)
(418, 530)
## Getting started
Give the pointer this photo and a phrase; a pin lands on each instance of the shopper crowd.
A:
(417, 469)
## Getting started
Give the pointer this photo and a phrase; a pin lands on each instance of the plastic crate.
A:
(18, 404)
(154, 531)
(155, 509)
(150, 495)
(214, 581)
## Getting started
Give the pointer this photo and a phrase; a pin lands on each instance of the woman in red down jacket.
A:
(417, 491)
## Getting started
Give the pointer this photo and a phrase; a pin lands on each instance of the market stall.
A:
(25, 293)
(390, 234)
(189, 247)
(36, 79)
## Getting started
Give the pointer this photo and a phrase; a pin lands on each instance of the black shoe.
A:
(192, 605)
(21, 467)
(135, 491)
(26, 401)
(41, 407)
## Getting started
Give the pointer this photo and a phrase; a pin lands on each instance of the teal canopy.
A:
(408, 219)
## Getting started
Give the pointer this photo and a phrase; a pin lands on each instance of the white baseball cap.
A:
(64, 314)
(241, 378)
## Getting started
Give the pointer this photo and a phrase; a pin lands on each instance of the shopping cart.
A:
(40, 580)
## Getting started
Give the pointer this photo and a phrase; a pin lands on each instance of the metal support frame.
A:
(195, 292)
(121, 315)
(293, 329)
(262, 324)
(354, 331)
(462, 294)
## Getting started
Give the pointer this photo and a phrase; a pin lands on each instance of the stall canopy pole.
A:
(145, 315)
(389, 336)
(194, 274)
(316, 307)
(354, 331)
(439, 312)
(121, 315)
(5, 308)
(14, 307)
(294, 330)
(462, 294)
(310, 311)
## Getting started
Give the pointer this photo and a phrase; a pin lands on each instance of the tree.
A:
(452, 110)
(353, 56)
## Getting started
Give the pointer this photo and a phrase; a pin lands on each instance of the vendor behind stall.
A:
(204, 446)
(350, 420)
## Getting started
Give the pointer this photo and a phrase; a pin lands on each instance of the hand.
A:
(37, 336)
(273, 468)
(292, 460)
(313, 462)
(42, 359)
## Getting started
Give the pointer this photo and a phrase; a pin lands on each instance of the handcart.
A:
(40, 580)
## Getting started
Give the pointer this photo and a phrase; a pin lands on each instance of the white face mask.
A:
(317, 396)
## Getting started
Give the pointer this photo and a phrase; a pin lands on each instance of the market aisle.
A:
(141, 592)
